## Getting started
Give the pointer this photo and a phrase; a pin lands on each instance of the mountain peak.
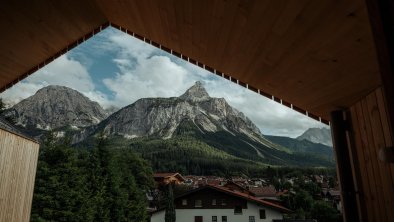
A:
(196, 93)
(317, 135)
(51, 88)
(54, 107)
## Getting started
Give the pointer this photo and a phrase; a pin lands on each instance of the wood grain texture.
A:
(36, 30)
(371, 132)
(317, 55)
(18, 162)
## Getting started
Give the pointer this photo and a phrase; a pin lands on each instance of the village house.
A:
(234, 186)
(264, 193)
(166, 178)
(334, 197)
(220, 204)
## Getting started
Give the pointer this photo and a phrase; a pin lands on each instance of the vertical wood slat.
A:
(374, 160)
(18, 161)
(387, 130)
(371, 131)
(379, 143)
(356, 172)
(346, 176)
(368, 158)
(365, 187)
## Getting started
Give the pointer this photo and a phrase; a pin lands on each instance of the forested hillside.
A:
(96, 184)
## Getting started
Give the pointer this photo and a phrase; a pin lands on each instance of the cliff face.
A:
(317, 135)
(162, 116)
(56, 106)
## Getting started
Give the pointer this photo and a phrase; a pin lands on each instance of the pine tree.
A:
(59, 189)
(98, 181)
(170, 215)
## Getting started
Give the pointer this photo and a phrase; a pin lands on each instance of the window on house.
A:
(184, 202)
(214, 218)
(224, 202)
(224, 218)
(262, 214)
(213, 201)
(238, 210)
(251, 219)
(198, 203)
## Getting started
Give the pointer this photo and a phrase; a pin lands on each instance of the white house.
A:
(220, 204)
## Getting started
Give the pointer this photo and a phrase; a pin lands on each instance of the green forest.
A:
(106, 179)
(191, 156)
(96, 184)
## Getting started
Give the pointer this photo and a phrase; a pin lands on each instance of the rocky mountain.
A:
(161, 117)
(191, 131)
(56, 106)
(303, 146)
(317, 135)
(193, 118)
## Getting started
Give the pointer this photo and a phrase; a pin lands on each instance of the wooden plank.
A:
(18, 161)
(381, 16)
(356, 167)
(346, 178)
(379, 143)
(374, 160)
(369, 188)
(388, 140)
(387, 130)
(372, 177)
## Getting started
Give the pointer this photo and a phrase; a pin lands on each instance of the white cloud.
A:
(154, 77)
(145, 71)
(63, 71)
(271, 117)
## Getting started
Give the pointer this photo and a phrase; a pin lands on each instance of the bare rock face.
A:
(317, 135)
(162, 116)
(57, 106)
(196, 93)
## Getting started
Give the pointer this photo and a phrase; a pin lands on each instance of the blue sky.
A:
(116, 69)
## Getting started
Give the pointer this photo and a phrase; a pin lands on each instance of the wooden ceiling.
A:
(317, 55)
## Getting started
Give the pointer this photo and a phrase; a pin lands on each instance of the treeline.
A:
(102, 183)
(190, 156)
(293, 152)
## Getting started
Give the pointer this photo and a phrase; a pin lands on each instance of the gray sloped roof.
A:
(7, 126)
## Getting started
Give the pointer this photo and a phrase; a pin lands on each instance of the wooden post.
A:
(381, 16)
(339, 127)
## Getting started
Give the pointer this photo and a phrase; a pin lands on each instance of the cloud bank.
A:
(145, 71)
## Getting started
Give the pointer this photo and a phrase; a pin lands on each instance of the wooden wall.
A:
(370, 132)
(18, 162)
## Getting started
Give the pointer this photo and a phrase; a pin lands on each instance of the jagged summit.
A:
(57, 106)
(317, 135)
(56, 88)
(196, 93)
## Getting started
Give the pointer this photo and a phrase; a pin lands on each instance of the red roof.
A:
(237, 194)
(251, 198)
(162, 175)
(165, 175)
(268, 191)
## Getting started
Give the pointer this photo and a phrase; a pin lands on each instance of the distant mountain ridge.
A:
(199, 126)
(56, 106)
(160, 117)
(303, 146)
(317, 135)
(195, 116)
